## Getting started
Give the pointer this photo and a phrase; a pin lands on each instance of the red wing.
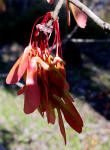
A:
(24, 62)
(32, 98)
(32, 93)
(72, 120)
(58, 79)
(12, 77)
(80, 16)
(61, 124)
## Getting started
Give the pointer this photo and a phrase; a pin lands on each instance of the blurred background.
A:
(87, 57)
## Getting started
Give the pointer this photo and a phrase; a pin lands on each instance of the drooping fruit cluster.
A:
(46, 88)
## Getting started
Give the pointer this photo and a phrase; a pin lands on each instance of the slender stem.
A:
(57, 8)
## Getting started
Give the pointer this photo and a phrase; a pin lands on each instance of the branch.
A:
(56, 12)
(57, 8)
(86, 10)
(90, 40)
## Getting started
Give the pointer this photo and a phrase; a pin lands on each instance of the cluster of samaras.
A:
(46, 88)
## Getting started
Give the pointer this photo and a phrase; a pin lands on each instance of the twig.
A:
(90, 40)
(55, 13)
(96, 19)
(69, 36)
(57, 8)
(19, 84)
(86, 10)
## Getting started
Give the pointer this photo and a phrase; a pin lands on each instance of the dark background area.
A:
(17, 21)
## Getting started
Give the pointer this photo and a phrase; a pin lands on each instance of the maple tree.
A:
(46, 88)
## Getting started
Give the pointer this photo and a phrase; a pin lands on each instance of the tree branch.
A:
(86, 10)
(57, 8)
(90, 40)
